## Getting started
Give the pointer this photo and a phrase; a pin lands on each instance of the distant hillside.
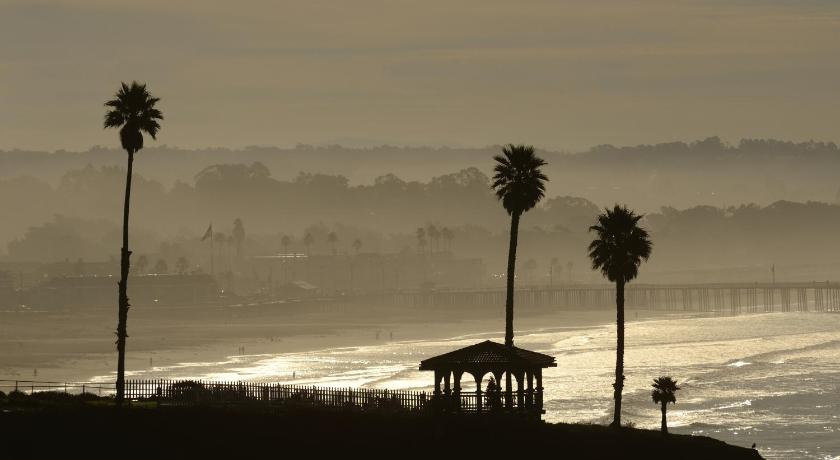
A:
(646, 176)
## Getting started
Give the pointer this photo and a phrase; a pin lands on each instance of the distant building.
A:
(365, 272)
(8, 295)
(101, 291)
(298, 290)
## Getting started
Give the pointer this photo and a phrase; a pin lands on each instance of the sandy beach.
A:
(79, 346)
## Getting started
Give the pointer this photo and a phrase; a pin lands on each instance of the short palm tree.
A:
(133, 111)
(664, 389)
(618, 251)
(519, 184)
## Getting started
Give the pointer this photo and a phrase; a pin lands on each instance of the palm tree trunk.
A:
(664, 417)
(618, 386)
(511, 269)
(122, 308)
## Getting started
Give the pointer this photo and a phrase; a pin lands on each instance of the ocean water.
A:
(770, 379)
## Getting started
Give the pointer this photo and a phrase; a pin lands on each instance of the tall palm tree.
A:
(308, 239)
(447, 236)
(161, 268)
(238, 235)
(618, 251)
(133, 111)
(332, 238)
(421, 240)
(664, 389)
(142, 263)
(434, 237)
(551, 266)
(519, 184)
(182, 265)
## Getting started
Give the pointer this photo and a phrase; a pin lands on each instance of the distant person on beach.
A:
(294, 375)
(377, 334)
(391, 335)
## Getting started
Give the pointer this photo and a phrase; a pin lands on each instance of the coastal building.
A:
(100, 291)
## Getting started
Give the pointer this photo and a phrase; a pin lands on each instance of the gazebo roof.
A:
(488, 353)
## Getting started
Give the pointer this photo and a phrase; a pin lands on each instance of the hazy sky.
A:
(558, 74)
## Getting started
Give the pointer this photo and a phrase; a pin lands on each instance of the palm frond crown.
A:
(664, 389)
(518, 181)
(621, 244)
(133, 111)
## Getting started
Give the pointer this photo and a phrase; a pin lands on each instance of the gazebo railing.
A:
(471, 402)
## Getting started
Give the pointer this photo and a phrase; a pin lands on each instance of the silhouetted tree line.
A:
(76, 218)
(713, 148)
(223, 193)
(681, 174)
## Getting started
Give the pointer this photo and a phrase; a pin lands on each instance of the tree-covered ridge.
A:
(384, 216)
(681, 174)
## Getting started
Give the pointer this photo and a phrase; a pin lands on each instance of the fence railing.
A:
(33, 386)
(190, 392)
(197, 392)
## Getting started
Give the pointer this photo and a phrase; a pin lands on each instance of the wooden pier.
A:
(729, 298)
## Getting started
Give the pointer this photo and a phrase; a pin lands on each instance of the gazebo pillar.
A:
(530, 391)
(508, 391)
(456, 389)
(477, 378)
(446, 389)
(520, 391)
(539, 390)
(437, 382)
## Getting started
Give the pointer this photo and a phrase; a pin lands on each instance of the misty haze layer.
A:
(710, 206)
(568, 74)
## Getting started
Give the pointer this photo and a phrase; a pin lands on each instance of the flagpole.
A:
(212, 269)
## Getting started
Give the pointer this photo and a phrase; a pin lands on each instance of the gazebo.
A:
(523, 366)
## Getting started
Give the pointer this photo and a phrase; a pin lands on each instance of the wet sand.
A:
(78, 346)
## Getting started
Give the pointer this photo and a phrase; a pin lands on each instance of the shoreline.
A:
(251, 333)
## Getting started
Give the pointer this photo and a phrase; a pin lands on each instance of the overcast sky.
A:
(557, 74)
